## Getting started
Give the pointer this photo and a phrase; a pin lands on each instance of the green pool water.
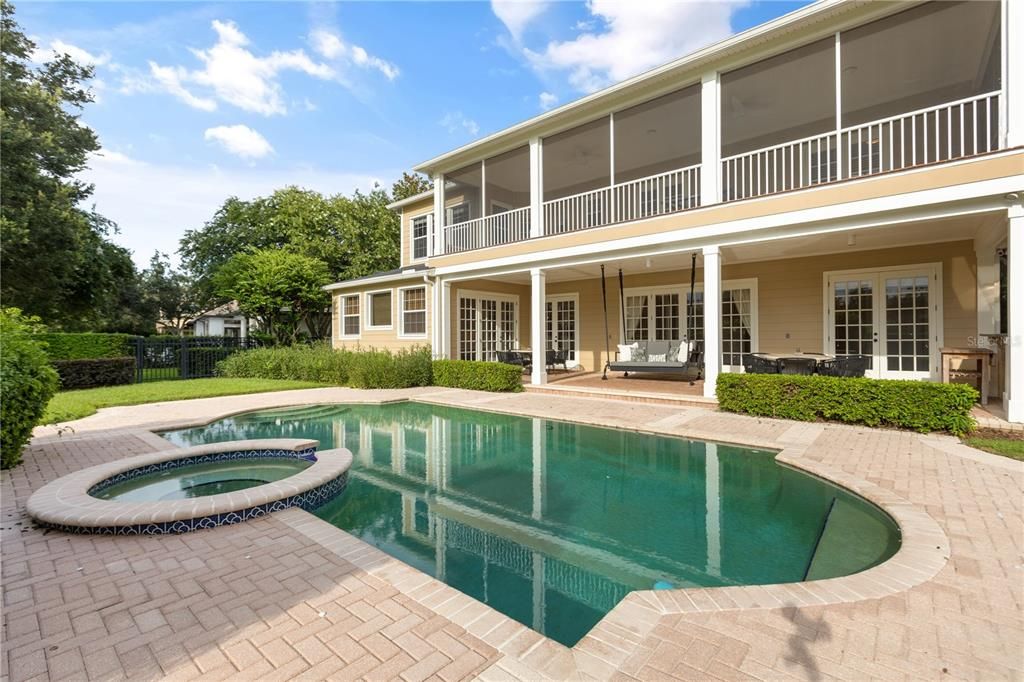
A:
(553, 523)
(208, 478)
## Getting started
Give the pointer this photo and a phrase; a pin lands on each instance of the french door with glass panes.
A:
(891, 315)
(561, 320)
(487, 324)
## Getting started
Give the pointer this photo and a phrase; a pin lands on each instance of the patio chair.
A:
(509, 357)
(755, 364)
(804, 366)
(845, 366)
(556, 357)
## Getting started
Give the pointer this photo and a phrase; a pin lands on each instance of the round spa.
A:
(176, 491)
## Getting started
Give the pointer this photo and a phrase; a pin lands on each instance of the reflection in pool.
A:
(552, 523)
(199, 480)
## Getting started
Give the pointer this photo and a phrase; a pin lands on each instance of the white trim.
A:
(936, 319)
(341, 317)
(368, 314)
(415, 198)
(539, 371)
(573, 296)
(908, 207)
(379, 279)
(401, 311)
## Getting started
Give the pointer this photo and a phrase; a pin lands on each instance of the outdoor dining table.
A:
(802, 364)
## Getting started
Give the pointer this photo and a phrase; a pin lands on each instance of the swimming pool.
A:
(553, 523)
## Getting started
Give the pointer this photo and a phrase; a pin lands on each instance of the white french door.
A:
(562, 331)
(487, 324)
(891, 315)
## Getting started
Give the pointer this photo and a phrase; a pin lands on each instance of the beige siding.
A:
(408, 213)
(382, 339)
(791, 311)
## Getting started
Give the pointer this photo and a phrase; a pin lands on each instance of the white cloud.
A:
(80, 55)
(518, 14)
(154, 204)
(455, 122)
(330, 46)
(628, 37)
(232, 74)
(547, 100)
(239, 140)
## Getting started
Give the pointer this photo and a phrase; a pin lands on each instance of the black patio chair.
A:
(845, 366)
(755, 364)
(804, 366)
(553, 358)
(513, 358)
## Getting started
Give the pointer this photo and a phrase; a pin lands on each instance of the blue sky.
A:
(200, 101)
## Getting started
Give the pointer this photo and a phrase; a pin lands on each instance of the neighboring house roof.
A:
(409, 272)
(229, 309)
(600, 103)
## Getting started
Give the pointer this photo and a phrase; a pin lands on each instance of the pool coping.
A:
(923, 552)
(68, 504)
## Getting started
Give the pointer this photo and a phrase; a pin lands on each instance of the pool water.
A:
(208, 478)
(553, 523)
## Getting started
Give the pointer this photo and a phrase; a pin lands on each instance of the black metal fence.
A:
(187, 357)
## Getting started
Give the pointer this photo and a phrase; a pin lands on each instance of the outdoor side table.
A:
(974, 363)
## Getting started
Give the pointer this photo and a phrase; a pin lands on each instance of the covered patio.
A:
(896, 292)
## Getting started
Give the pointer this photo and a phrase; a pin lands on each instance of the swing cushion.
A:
(626, 352)
(642, 358)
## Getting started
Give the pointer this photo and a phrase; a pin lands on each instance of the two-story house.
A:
(849, 176)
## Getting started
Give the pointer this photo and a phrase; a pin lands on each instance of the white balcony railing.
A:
(670, 192)
(492, 230)
(941, 133)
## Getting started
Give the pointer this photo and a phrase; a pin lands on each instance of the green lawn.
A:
(70, 405)
(1007, 447)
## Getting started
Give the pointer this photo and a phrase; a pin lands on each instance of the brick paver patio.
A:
(288, 596)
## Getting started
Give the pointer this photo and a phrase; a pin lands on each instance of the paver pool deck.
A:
(289, 596)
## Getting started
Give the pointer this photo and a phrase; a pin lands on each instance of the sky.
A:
(197, 102)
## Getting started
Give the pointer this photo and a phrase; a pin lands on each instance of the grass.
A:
(1006, 443)
(70, 405)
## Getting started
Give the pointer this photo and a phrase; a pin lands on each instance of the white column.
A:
(539, 374)
(538, 592)
(1015, 310)
(712, 318)
(445, 334)
(436, 317)
(1012, 109)
(539, 465)
(710, 141)
(438, 215)
(536, 189)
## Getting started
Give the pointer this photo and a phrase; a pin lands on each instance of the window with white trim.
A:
(379, 305)
(414, 311)
(350, 315)
(421, 236)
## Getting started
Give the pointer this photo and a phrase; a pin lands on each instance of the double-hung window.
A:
(349, 306)
(421, 236)
(413, 302)
(378, 305)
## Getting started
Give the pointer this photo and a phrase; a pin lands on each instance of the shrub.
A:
(27, 382)
(86, 345)
(385, 369)
(318, 363)
(918, 405)
(478, 376)
(95, 372)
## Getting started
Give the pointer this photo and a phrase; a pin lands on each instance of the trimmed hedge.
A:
(918, 405)
(85, 345)
(95, 372)
(320, 363)
(27, 382)
(478, 376)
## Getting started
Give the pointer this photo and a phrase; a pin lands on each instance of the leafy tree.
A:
(172, 298)
(351, 236)
(409, 185)
(280, 288)
(56, 260)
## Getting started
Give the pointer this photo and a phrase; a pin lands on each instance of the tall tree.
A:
(172, 297)
(56, 260)
(409, 185)
(280, 288)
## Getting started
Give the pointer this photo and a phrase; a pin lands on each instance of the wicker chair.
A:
(805, 366)
(755, 364)
(845, 366)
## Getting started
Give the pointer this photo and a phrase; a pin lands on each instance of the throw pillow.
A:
(626, 352)
(640, 354)
(673, 351)
(660, 357)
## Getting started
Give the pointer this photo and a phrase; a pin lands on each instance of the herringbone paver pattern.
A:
(261, 600)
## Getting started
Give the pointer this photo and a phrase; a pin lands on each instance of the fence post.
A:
(183, 368)
(140, 359)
